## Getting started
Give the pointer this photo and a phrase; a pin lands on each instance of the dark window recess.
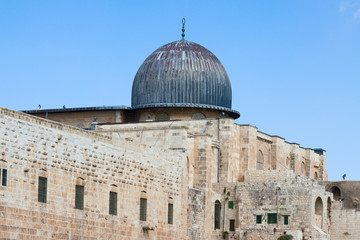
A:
(272, 218)
(258, 219)
(113, 203)
(4, 177)
(79, 197)
(286, 220)
(42, 189)
(143, 206)
(170, 213)
(217, 212)
(231, 204)
(232, 225)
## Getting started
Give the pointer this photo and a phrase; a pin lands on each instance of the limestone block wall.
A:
(344, 223)
(285, 194)
(31, 147)
(276, 153)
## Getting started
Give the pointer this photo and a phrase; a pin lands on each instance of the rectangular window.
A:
(272, 218)
(258, 219)
(79, 197)
(231, 204)
(4, 177)
(170, 213)
(286, 220)
(232, 225)
(42, 189)
(113, 203)
(143, 206)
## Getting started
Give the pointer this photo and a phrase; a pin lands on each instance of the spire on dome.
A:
(183, 29)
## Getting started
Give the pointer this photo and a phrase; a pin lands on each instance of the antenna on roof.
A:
(183, 29)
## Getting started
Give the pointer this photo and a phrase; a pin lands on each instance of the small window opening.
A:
(79, 197)
(3, 177)
(217, 211)
(286, 220)
(170, 213)
(231, 204)
(258, 219)
(232, 225)
(42, 189)
(143, 209)
(272, 218)
(113, 203)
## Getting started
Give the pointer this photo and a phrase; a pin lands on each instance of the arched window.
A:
(217, 212)
(303, 167)
(319, 206)
(287, 161)
(259, 161)
(336, 192)
(198, 116)
(316, 177)
(162, 116)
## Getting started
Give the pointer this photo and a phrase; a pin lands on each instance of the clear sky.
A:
(294, 65)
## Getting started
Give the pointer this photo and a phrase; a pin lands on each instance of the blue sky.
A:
(294, 65)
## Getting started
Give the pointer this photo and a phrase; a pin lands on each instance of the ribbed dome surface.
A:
(182, 73)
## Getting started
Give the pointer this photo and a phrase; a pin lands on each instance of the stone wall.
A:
(345, 223)
(284, 194)
(67, 156)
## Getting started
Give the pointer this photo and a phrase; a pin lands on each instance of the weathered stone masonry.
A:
(66, 156)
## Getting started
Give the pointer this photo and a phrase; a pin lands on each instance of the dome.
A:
(182, 74)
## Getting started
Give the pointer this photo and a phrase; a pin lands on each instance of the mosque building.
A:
(174, 165)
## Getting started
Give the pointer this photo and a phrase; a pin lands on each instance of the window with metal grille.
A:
(79, 197)
(231, 204)
(42, 189)
(258, 219)
(217, 212)
(286, 220)
(113, 203)
(198, 116)
(232, 225)
(272, 218)
(162, 117)
(170, 213)
(143, 206)
(3, 177)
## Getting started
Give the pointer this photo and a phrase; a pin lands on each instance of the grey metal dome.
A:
(182, 74)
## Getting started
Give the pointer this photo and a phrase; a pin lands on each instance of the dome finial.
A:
(183, 29)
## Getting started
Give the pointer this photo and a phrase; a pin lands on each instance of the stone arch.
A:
(217, 214)
(259, 160)
(319, 208)
(336, 192)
